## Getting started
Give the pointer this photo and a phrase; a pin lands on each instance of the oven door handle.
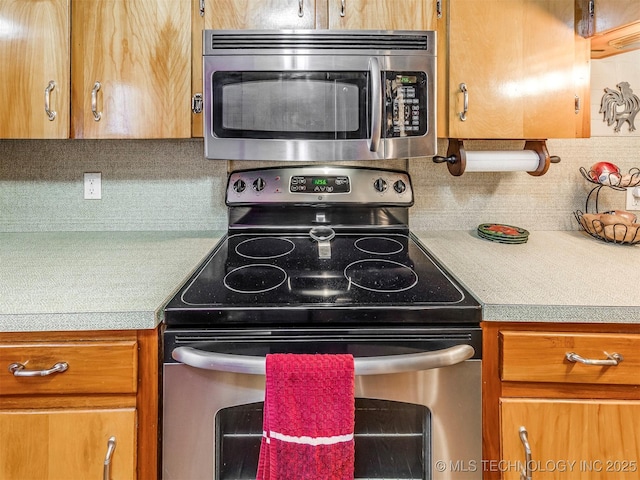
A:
(410, 362)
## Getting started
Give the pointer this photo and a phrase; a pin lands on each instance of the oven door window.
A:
(392, 440)
(291, 105)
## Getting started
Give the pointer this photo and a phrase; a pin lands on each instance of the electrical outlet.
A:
(93, 186)
(633, 198)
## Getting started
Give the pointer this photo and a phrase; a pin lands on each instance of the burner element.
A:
(378, 245)
(265, 247)
(383, 276)
(255, 278)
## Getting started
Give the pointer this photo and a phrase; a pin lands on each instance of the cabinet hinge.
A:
(196, 103)
(439, 8)
(202, 8)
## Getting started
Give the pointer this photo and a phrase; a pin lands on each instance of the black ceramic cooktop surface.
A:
(291, 279)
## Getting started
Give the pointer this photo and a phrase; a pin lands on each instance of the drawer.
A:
(92, 367)
(541, 357)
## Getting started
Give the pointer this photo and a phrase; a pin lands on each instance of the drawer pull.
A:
(19, 370)
(111, 446)
(612, 360)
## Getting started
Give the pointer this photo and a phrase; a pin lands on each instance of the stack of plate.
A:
(502, 233)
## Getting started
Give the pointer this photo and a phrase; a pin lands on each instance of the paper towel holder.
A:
(456, 158)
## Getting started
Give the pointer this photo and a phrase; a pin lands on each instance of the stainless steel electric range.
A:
(320, 260)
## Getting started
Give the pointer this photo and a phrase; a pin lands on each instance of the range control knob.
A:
(399, 186)
(380, 185)
(239, 186)
(258, 184)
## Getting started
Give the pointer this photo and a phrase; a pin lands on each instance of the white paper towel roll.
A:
(502, 161)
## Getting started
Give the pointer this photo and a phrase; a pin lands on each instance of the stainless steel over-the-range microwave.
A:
(319, 95)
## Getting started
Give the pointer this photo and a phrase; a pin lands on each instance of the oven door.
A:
(318, 107)
(418, 403)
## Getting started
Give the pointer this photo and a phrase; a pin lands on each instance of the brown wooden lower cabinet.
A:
(570, 439)
(68, 444)
(550, 417)
(96, 418)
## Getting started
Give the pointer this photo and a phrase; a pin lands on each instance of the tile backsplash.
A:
(168, 185)
(445, 202)
(146, 185)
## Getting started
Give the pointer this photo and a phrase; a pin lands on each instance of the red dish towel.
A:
(309, 415)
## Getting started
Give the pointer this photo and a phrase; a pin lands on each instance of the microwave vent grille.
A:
(315, 41)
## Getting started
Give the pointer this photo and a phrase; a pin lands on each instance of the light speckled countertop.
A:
(559, 276)
(121, 280)
(93, 280)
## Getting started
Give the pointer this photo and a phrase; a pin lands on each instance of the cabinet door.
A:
(516, 59)
(131, 69)
(66, 444)
(34, 51)
(260, 14)
(382, 14)
(571, 439)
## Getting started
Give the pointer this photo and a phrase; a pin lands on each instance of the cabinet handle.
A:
(465, 107)
(525, 473)
(94, 102)
(612, 360)
(18, 370)
(301, 8)
(111, 446)
(47, 101)
(342, 7)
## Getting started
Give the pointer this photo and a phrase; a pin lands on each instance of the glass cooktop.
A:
(296, 279)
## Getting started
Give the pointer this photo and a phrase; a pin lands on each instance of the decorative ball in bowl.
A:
(605, 173)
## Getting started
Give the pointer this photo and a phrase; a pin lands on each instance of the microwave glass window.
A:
(291, 105)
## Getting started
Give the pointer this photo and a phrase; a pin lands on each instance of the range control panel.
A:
(313, 185)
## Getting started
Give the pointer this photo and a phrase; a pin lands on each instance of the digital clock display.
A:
(405, 79)
(328, 184)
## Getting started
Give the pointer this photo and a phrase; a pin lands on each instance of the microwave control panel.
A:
(406, 104)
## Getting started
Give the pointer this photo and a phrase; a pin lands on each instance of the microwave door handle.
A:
(376, 108)
(252, 365)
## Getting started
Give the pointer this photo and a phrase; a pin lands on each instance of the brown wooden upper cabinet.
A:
(302, 14)
(511, 69)
(599, 16)
(95, 69)
(612, 25)
(131, 69)
(34, 77)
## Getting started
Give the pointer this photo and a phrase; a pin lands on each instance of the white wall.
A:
(607, 73)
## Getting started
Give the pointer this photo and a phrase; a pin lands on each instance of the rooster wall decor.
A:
(620, 107)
